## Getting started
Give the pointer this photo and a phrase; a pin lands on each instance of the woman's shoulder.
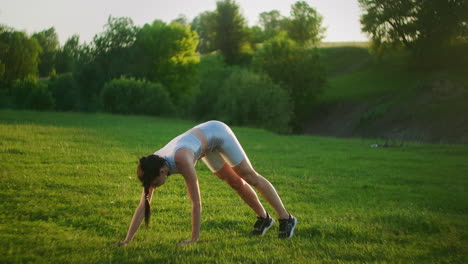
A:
(183, 156)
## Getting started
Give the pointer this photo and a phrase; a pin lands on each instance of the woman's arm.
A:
(137, 218)
(185, 164)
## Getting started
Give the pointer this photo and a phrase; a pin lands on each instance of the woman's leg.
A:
(232, 152)
(218, 166)
(247, 173)
(229, 150)
(242, 188)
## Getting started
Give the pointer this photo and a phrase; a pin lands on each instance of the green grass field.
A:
(68, 190)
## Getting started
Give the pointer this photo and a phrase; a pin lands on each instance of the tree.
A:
(167, 54)
(19, 56)
(90, 77)
(271, 23)
(231, 33)
(440, 24)
(181, 19)
(297, 69)
(113, 47)
(256, 35)
(109, 56)
(390, 23)
(68, 55)
(212, 73)
(3, 49)
(2, 69)
(203, 24)
(416, 25)
(49, 42)
(305, 24)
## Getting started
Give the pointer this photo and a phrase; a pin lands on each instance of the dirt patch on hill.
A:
(437, 111)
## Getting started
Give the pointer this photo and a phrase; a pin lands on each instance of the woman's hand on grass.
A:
(122, 243)
(187, 242)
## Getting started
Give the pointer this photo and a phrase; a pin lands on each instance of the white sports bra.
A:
(185, 140)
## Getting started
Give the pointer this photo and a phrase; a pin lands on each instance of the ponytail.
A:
(150, 166)
(147, 207)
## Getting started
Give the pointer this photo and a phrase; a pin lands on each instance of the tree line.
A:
(213, 67)
(434, 31)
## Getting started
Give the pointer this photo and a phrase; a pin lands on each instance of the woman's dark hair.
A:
(150, 165)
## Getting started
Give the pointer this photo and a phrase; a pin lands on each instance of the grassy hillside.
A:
(68, 191)
(378, 97)
(355, 75)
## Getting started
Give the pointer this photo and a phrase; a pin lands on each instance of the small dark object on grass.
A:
(389, 143)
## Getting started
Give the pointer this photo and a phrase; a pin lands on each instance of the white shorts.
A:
(223, 146)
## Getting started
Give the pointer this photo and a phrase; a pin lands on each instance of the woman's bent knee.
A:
(235, 183)
(246, 172)
(250, 178)
(230, 177)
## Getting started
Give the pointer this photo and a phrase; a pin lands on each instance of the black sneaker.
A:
(286, 228)
(262, 225)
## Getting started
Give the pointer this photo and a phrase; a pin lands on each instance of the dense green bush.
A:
(5, 100)
(240, 97)
(297, 69)
(212, 74)
(131, 96)
(455, 56)
(250, 99)
(65, 91)
(32, 94)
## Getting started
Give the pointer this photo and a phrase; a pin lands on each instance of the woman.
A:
(215, 143)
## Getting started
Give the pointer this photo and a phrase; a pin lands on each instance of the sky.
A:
(88, 17)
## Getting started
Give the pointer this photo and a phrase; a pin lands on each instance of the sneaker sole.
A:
(268, 227)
